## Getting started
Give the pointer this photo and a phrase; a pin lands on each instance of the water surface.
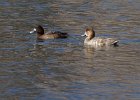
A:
(65, 69)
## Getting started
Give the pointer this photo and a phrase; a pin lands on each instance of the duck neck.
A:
(40, 33)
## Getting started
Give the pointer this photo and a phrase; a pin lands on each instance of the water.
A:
(65, 69)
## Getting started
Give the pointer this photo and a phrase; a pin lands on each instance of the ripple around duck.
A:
(65, 68)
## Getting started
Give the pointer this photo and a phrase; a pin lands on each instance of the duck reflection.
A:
(89, 51)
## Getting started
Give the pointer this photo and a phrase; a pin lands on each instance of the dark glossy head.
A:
(39, 29)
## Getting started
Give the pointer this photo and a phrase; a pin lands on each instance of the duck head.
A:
(39, 29)
(89, 33)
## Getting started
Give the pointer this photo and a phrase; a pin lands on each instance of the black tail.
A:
(62, 34)
(115, 43)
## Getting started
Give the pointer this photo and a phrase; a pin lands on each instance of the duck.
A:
(98, 41)
(49, 35)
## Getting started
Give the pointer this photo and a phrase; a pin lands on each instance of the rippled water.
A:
(64, 69)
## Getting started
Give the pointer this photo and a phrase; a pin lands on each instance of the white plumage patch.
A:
(34, 30)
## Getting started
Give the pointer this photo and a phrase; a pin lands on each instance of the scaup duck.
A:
(97, 41)
(49, 35)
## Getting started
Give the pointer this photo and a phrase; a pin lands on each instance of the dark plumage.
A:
(49, 35)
